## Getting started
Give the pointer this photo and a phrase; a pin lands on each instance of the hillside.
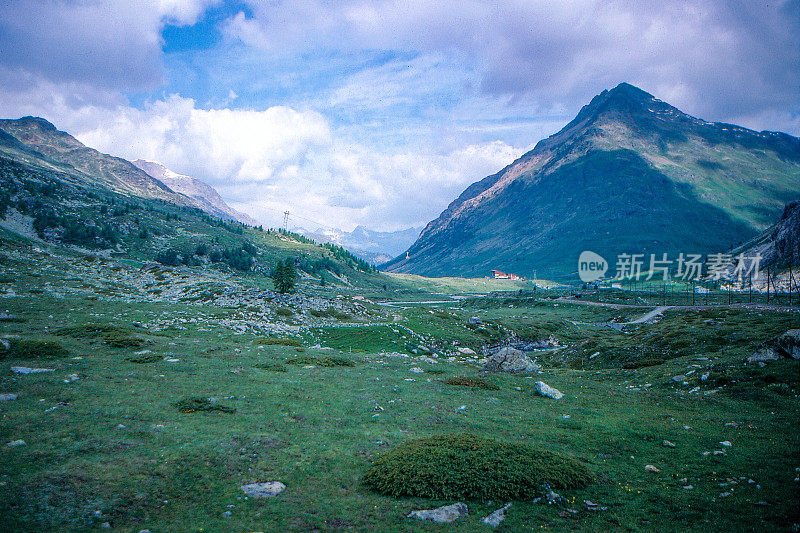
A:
(204, 195)
(779, 245)
(629, 173)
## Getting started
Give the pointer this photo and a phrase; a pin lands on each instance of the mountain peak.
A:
(39, 122)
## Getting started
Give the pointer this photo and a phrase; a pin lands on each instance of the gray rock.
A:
(15, 443)
(789, 342)
(546, 390)
(4, 397)
(446, 514)
(7, 316)
(5, 344)
(764, 353)
(263, 490)
(28, 370)
(496, 517)
(510, 360)
(679, 379)
(466, 351)
(475, 321)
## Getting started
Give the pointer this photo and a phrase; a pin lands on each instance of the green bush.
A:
(24, 349)
(197, 403)
(335, 361)
(478, 383)
(285, 312)
(449, 467)
(274, 367)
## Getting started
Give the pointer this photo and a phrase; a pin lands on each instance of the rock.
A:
(789, 343)
(5, 344)
(764, 353)
(704, 376)
(263, 490)
(726, 443)
(7, 316)
(668, 444)
(416, 370)
(466, 351)
(546, 390)
(28, 370)
(15, 443)
(553, 497)
(445, 514)
(71, 378)
(679, 379)
(6, 396)
(475, 321)
(510, 360)
(496, 517)
(651, 468)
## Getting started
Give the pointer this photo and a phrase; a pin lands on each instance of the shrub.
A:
(23, 349)
(449, 467)
(197, 403)
(284, 311)
(477, 383)
(118, 339)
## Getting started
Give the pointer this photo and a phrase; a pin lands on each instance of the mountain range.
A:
(375, 247)
(629, 174)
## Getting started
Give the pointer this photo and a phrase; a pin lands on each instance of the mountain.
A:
(629, 174)
(779, 246)
(204, 195)
(37, 142)
(375, 247)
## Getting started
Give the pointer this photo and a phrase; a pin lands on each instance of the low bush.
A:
(145, 358)
(450, 467)
(25, 349)
(197, 403)
(478, 383)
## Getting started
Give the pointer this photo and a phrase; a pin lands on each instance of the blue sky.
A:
(376, 112)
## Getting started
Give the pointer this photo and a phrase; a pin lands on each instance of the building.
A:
(497, 274)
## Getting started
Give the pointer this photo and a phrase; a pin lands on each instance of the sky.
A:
(381, 112)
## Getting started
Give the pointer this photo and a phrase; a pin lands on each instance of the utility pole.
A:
(286, 221)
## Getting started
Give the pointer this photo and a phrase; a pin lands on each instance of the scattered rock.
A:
(496, 517)
(510, 360)
(466, 351)
(7, 317)
(651, 468)
(475, 321)
(764, 353)
(263, 490)
(668, 444)
(15, 443)
(416, 370)
(6, 396)
(445, 514)
(71, 378)
(591, 506)
(28, 370)
(679, 379)
(725, 494)
(546, 390)
(726, 443)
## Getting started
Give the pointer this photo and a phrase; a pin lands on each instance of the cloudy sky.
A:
(376, 112)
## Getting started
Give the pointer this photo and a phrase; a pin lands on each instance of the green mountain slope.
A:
(629, 174)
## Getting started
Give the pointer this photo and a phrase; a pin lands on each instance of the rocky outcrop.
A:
(784, 346)
(510, 359)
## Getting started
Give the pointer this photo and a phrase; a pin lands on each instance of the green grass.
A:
(452, 467)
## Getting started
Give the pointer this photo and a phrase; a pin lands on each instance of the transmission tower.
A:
(286, 221)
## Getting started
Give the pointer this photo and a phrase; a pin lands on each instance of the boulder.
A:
(263, 490)
(764, 353)
(547, 391)
(510, 360)
(786, 345)
(7, 396)
(466, 351)
(446, 514)
(475, 321)
(27, 370)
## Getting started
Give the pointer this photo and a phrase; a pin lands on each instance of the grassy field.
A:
(157, 411)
